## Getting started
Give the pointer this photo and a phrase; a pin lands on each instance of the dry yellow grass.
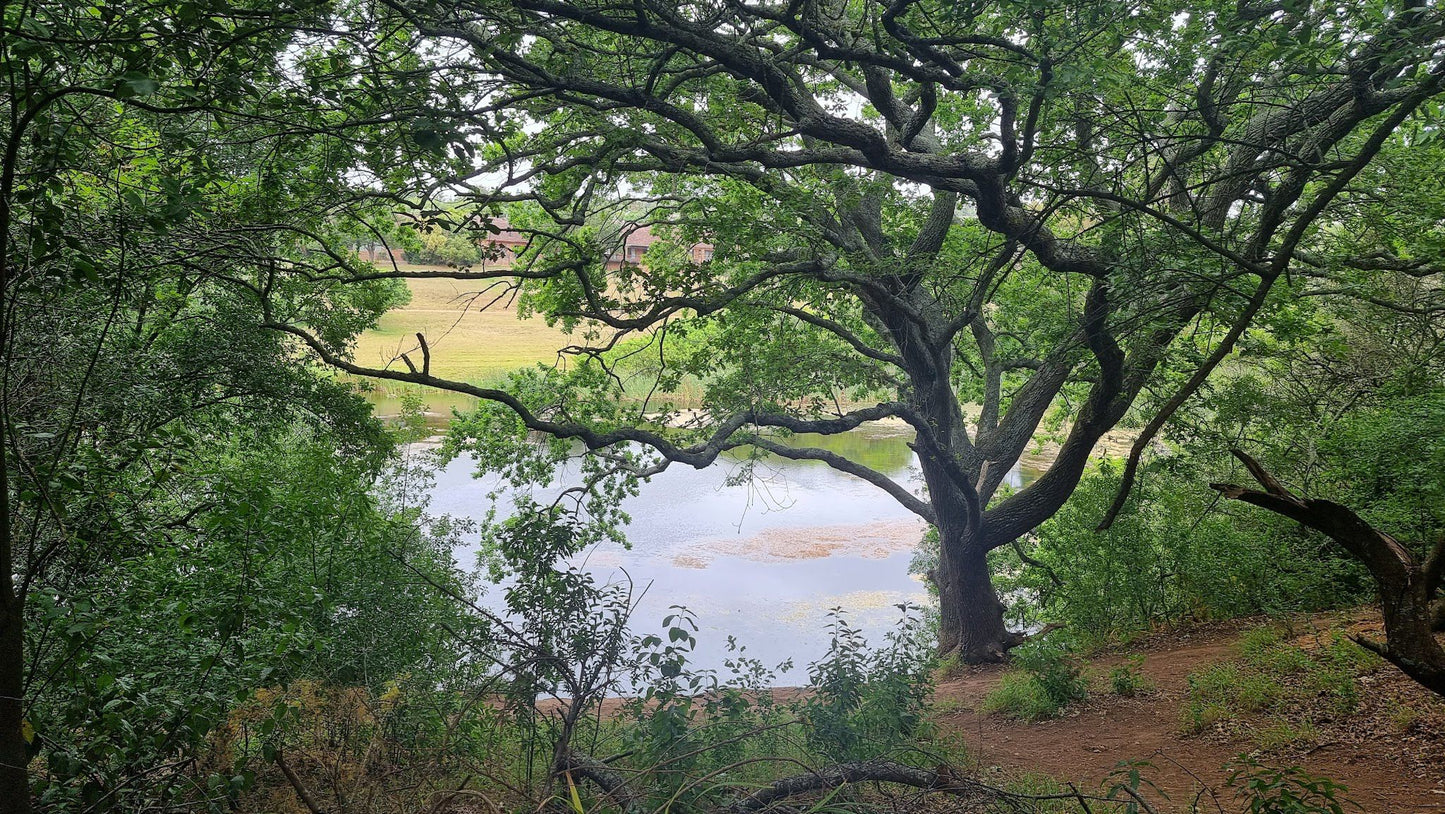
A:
(467, 344)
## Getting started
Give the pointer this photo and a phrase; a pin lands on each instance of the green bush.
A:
(867, 702)
(1127, 681)
(1018, 695)
(1047, 681)
(862, 703)
(1169, 556)
(1266, 790)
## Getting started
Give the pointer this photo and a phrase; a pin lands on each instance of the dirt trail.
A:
(1087, 744)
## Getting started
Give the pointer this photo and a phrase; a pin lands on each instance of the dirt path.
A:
(1086, 746)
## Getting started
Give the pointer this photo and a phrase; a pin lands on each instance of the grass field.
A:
(467, 344)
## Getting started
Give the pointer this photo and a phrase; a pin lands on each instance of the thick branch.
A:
(611, 781)
(696, 455)
(307, 799)
(899, 493)
(872, 771)
(1381, 552)
(1407, 596)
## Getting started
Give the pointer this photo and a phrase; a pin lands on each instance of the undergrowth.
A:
(1283, 684)
(1047, 680)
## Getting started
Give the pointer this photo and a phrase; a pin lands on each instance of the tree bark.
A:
(612, 782)
(971, 623)
(14, 751)
(872, 771)
(1407, 588)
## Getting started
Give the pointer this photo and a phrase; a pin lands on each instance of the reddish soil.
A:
(1386, 771)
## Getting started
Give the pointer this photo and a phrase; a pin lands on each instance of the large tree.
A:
(1038, 208)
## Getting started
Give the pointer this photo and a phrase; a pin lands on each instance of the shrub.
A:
(1168, 557)
(1127, 681)
(1048, 681)
(1266, 790)
(868, 702)
(1018, 695)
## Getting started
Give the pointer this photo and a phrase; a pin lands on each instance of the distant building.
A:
(501, 248)
(637, 239)
(379, 253)
(505, 244)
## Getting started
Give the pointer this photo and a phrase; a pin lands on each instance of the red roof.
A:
(633, 236)
(506, 235)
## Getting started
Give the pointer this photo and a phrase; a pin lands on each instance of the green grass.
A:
(1272, 682)
(1127, 680)
(1020, 695)
(1049, 681)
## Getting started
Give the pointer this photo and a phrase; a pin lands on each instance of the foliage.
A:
(872, 213)
(1127, 680)
(1020, 696)
(1169, 557)
(1047, 682)
(1288, 790)
(1061, 213)
(444, 248)
(149, 656)
(869, 702)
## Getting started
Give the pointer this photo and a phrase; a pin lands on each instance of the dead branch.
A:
(870, 771)
(301, 791)
(611, 781)
(425, 355)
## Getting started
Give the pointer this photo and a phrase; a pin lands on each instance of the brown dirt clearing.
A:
(1387, 769)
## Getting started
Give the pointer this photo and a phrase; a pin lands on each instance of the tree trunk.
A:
(1439, 623)
(1407, 587)
(1410, 642)
(971, 622)
(14, 751)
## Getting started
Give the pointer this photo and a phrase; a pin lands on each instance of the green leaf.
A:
(131, 85)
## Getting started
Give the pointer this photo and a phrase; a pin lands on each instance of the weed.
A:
(947, 706)
(1403, 718)
(1282, 733)
(1284, 660)
(1344, 653)
(1273, 675)
(1289, 790)
(1048, 681)
(1020, 696)
(1255, 643)
(1127, 681)
(951, 666)
(1236, 689)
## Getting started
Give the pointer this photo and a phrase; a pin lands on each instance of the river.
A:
(763, 562)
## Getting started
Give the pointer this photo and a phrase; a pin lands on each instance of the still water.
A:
(763, 562)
